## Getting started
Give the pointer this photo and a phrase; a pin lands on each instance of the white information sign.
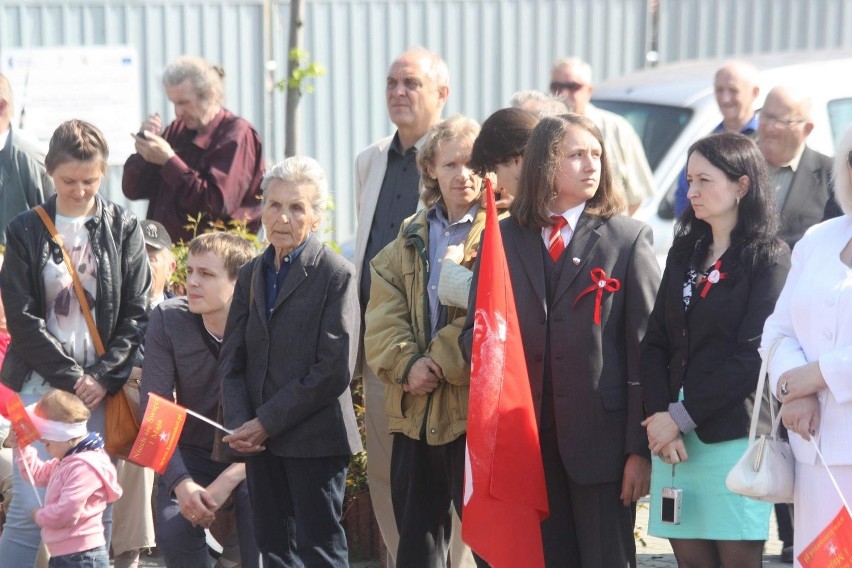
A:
(96, 84)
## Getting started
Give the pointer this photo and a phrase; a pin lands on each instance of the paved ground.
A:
(651, 552)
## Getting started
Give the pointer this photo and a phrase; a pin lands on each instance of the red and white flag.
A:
(158, 434)
(505, 498)
(832, 548)
(12, 408)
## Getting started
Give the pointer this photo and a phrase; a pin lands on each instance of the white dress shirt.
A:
(572, 216)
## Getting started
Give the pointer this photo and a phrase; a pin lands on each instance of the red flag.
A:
(158, 434)
(832, 547)
(25, 430)
(6, 394)
(505, 496)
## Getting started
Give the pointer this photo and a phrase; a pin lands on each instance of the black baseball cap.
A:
(156, 235)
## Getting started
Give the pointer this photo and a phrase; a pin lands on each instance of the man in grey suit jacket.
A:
(387, 191)
(23, 180)
(801, 176)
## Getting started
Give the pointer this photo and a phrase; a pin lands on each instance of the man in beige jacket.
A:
(387, 190)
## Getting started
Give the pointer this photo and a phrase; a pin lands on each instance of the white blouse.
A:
(813, 319)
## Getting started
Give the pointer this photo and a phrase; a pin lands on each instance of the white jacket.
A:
(813, 319)
(370, 167)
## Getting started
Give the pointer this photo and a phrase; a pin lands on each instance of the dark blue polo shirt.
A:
(275, 278)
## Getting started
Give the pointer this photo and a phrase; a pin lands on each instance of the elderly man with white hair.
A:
(286, 363)
(540, 104)
(801, 176)
(207, 161)
(736, 89)
(571, 78)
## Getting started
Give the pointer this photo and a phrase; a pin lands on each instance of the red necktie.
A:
(555, 244)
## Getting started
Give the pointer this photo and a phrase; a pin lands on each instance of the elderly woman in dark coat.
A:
(286, 364)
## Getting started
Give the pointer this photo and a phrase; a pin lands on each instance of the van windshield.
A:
(658, 126)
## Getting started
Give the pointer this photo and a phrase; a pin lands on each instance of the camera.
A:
(670, 504)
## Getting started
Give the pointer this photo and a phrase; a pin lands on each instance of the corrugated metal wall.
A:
(691, 29)
(493, 48)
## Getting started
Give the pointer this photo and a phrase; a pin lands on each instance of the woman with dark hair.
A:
(700, 361)
(52, 346)
(584, 278)
(499, 148)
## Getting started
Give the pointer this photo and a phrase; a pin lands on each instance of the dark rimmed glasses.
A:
(780, 121)
(557, 87)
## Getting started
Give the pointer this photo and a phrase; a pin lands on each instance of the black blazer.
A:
(809, 192)
(293, 370)
(712, 348)
(597, 399)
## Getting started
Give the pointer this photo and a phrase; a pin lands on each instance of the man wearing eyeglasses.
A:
(801, 176)
(571, 79)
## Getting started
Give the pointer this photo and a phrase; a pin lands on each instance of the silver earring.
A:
(738, 201)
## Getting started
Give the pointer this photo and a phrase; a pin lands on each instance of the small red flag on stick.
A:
(12, 408)
(832, 548)
(6, 394)
(158, 434)
(22, 423)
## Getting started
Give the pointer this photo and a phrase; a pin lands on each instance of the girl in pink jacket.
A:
(80, 482)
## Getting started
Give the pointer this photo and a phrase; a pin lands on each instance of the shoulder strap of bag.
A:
(78, 286)
(758, 394)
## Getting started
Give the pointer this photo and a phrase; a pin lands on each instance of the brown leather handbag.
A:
(122, 408)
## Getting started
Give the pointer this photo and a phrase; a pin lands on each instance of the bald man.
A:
(387, 190)
(735, 87)
(571, 79)
(801, 176)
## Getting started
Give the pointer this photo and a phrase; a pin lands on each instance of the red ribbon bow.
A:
(601, 283)
(712, 278)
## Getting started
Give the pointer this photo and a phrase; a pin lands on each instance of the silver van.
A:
(671, 106)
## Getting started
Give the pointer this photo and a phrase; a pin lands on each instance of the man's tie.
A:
(555, 245)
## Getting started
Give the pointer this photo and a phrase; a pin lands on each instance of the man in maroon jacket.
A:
(207, 161)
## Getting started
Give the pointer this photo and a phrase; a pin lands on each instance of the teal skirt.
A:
(709, 510)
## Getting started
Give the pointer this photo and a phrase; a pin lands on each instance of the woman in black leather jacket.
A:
(51, 345)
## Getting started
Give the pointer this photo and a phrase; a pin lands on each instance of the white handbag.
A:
(766, 470)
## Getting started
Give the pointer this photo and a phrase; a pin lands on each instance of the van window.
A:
(840, 117)
(658, 126)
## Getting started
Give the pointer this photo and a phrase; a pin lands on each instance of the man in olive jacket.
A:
(23, 180)
(400, 347)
